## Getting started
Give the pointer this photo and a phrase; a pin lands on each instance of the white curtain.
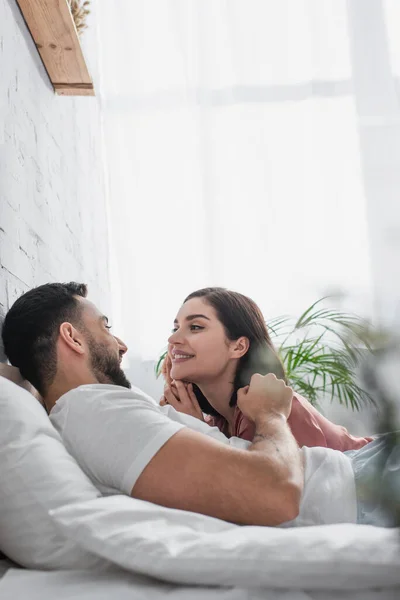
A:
(236, 141)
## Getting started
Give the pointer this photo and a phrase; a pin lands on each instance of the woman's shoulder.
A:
(314, 429)
(302, 403)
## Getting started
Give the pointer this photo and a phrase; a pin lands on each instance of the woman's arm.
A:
(309, 428)
(335, 436)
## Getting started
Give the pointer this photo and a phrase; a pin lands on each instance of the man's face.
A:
(105, 350)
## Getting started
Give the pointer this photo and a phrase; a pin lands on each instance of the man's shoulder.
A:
(101, 393)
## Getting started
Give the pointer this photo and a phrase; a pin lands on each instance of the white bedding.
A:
(21, 584)
(188, 548)
(51, 517)
(175, 546)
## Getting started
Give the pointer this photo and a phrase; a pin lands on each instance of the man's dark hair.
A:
(31, 327)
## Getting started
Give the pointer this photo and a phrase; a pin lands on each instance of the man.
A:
(127, 443)
(63, 345)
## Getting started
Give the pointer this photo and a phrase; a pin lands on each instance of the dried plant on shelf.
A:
(79, 11)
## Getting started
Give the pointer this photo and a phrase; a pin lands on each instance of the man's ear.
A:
(240, 347)
(72, 337)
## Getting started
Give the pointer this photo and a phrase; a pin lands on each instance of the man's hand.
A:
(181, 396)
(265, 395)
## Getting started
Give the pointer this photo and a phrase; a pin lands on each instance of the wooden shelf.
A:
(54, 33)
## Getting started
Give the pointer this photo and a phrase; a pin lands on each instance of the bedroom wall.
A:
(52, 193)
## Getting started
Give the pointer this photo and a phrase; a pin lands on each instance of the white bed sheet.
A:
(21, 584)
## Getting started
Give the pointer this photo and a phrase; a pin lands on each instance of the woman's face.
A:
(198, 347)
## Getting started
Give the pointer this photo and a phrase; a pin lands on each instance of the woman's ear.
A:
(240, 347)
(72, 338)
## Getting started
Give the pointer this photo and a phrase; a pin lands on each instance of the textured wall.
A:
(52, 194)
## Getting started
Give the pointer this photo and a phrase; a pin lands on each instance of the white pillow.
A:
(184, 547)
(36, 475)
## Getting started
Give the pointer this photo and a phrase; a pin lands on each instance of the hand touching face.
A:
(182, 397)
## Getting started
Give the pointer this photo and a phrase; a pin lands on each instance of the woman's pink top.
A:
(308, 426)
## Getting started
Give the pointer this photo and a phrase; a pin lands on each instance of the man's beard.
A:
(106, 366)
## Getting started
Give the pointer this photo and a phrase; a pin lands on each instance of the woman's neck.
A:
(218, 394)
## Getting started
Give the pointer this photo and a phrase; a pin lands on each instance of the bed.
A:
(151, 552)
(21, 584)
(76, 544)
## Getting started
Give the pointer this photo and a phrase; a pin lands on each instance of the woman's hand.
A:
(181, 396)
(166, 370)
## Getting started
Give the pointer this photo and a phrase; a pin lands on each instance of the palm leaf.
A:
(157, 368)
(276, 325)
(321, 352)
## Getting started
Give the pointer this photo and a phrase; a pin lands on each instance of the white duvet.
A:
(188, 548)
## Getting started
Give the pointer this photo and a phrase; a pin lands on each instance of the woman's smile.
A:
(179, 356)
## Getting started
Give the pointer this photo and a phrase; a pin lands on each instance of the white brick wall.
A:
(52, 198)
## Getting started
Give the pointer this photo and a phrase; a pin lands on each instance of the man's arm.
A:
(259, 486)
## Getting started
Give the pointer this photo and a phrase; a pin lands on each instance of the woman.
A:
(219, 341)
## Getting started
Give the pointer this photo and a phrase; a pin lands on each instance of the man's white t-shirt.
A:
(114, 432)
